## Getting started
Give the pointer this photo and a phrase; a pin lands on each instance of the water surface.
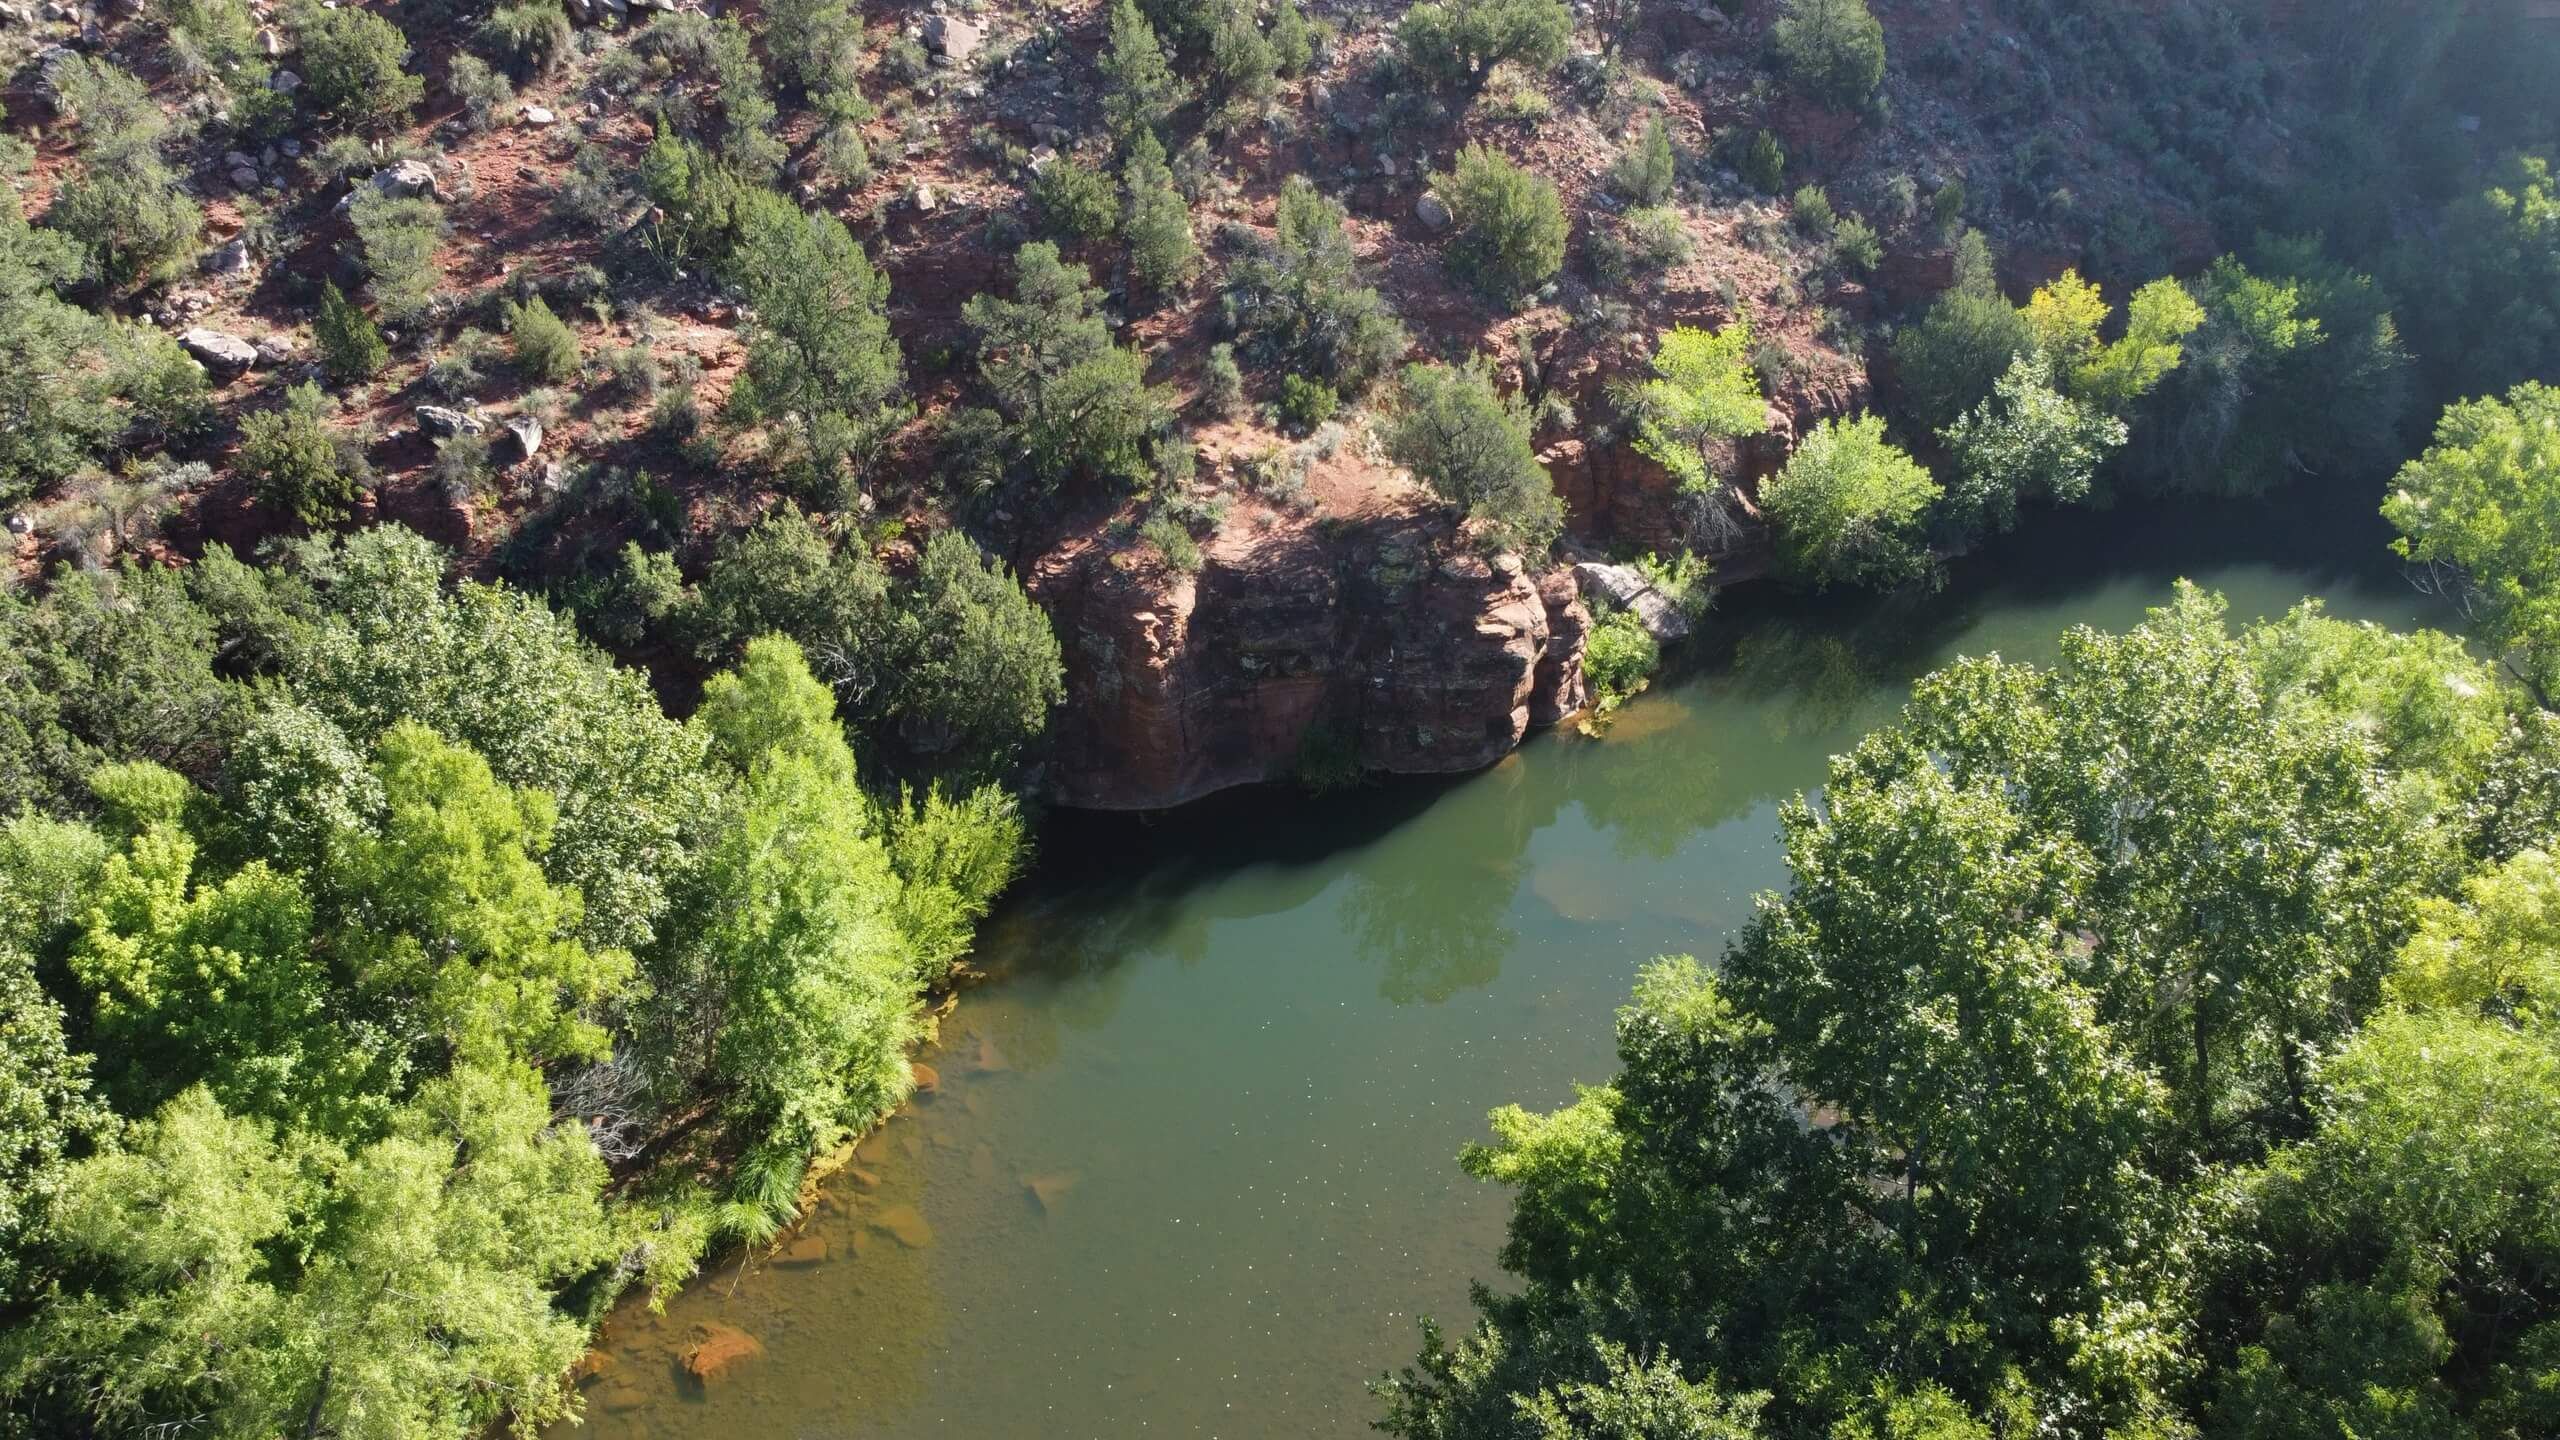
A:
(1189, 1168)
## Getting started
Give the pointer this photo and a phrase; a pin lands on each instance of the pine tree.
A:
(1140, 88)
(1157, 221)
(351, 345)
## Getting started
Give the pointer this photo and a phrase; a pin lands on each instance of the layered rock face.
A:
(1372, 642)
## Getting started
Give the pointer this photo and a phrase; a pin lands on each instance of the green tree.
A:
(819, 353)
(1300, 300)
(2028, 441)
(1703, 391)
(399, 239)
(1075, 202)
(351, 346)
(1080, 405)
(1949, 1143)
(1155, 220)
(1848, 506)
(266, 1284)
(1471, 445)
(786, 575)
(2158, 319)
(496, 670)
(352, 65)
(297, 463)
(47, 1115)
(787, 989)
(817, 47)
(1510, 224)
(125, 205)
(1455, 45)
(1830, 50)
(1949, 361)
(460, 927)
(74, 384)
(2477, 510)
(1140, 91)
(978, 660)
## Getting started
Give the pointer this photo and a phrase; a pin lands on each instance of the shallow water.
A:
(1189, 1169)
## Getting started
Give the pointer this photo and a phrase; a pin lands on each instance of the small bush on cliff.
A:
(351, 346)
(1471, 445)
(1510, 224)
(545, 347)
(294, 461)
(351, 65)
(1618, 659)
(1155, 220)
(1139, 88)
(1830, 50)
(1075, 202)
(1644, 174)
(1304, 403)
(1455, 45)
(1300, 302)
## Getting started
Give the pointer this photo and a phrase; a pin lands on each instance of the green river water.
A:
(1189, 1170)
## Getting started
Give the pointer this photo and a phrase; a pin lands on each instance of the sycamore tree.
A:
(2477, 513)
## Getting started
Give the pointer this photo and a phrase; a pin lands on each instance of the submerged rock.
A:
(1047, 1190)
(904, 1224)
(804, 1252)
(717, 1352)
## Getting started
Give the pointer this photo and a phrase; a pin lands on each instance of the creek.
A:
(1189, 1168)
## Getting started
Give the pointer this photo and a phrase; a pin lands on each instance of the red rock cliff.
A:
(1375, 640)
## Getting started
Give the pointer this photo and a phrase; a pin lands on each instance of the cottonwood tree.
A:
(1950, 1142)
(2477, 512)
(1848, 506)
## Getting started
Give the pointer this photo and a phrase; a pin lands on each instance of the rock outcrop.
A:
(1374, 642)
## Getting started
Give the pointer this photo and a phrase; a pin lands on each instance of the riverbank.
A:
(1239, 1043)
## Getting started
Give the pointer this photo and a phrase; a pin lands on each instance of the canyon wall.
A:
(1374, 643)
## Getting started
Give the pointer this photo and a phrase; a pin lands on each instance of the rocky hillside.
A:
(1328, 611)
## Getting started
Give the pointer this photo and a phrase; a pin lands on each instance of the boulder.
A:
(952, 38)
(244, 177)
(537, 116)
(922, 197)
(928, 1079)
(406, 179)
(1047, 1190)
(437, 420)
(226, 259)
(1431, 212)
(22, 523)
(803, 1253)
(284, 82)
(717, 1351)
(274, 350)
(526, 431)
(1626, 587)
(224, 355)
